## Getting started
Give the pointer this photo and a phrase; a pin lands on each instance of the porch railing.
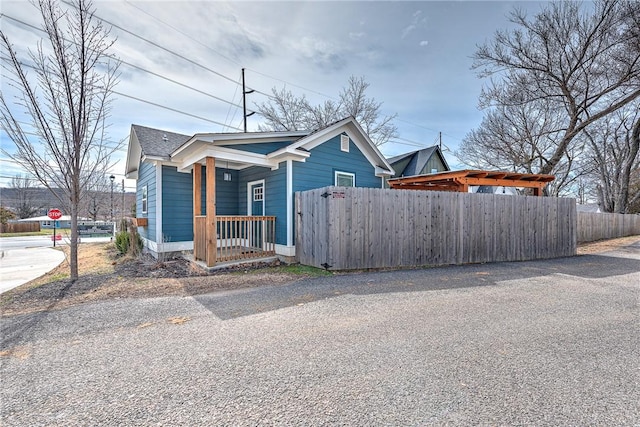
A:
(237, 237)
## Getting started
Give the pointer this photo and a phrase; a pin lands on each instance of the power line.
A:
(173, 109)
(197, 64)
(136, 67)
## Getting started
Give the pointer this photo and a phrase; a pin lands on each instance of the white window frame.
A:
(145, 199)
(349, 174)
(250, 196)
(344, 143)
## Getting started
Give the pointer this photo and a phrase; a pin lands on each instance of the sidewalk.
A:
(19, 266)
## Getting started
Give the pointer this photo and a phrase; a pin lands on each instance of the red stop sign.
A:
(54, 214)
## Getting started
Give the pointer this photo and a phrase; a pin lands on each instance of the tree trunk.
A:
(73, 244)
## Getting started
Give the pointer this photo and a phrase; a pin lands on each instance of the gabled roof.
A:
(150, 143)
(156, 142)
(415, 161)
(184, 150)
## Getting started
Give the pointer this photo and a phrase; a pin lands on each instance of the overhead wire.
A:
(395, 140)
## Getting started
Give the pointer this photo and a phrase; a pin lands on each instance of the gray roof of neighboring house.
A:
(419, 159)
(588, 207)
(156, 142)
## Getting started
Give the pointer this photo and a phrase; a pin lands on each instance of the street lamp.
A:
(112, 178)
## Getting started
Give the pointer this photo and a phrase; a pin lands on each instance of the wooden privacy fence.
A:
(597, 226)
(351, 228)
(19, 227)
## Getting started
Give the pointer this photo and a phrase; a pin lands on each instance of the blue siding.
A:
(147, 176)
(275, 202)
(226, 192)
(327, 158)
(260, 147)
(177, 205)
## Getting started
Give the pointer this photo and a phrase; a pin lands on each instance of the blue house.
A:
(229, 196)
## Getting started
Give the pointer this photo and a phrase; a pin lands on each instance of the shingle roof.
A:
(156, 142)
(418, 160)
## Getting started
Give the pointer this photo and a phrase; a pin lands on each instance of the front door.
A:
(256, 192)
(256, 208)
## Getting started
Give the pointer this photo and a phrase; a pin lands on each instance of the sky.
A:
(416, 57)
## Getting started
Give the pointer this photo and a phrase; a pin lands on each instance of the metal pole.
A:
(244, 103)
(122, 211)
(111, 201)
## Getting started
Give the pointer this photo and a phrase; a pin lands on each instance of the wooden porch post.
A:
(212, 239)
(197, 203)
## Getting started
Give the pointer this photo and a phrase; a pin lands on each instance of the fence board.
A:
(353, 228)
(598, 226)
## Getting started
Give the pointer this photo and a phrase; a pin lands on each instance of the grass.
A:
(93, 258)
(296, 269)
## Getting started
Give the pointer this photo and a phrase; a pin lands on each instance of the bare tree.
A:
(614, 145)
(581, 61)
(96, 201)
(520, 138)
(286, 111)
(26, 201)
(67, 102)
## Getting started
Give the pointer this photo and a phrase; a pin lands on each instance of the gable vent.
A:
(344, 143)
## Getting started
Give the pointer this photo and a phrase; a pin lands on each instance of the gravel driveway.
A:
(534, 343)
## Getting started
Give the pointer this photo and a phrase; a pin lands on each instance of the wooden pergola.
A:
(461, 180)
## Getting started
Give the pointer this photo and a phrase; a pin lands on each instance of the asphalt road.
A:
(533, 343)
(23, 259)
(9, 243)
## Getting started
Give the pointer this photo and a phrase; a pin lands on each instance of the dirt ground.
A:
(106, 275)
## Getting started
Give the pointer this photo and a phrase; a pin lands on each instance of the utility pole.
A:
(123, 211)
(244, 102)
(440, 136)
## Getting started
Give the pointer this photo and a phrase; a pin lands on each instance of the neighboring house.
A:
(488, 189)
(63, 222)
(248, 179)
(588, 207)
(46, 222)
(420, 162)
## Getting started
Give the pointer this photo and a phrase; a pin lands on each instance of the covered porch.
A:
(234, 216)
(224, 238)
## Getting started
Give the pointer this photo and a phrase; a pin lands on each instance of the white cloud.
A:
(407, 30)
(416, 21)
(424, 42)
(356, 36)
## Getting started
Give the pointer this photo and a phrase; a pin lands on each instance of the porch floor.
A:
(226, 264)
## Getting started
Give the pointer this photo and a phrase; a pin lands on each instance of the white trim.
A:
(158, 166)
(168, 247)
(355, 132)
(222, 154)
(289, 203)
(335, 177)
(239, 138)
(144, 199)
(344, 143)
(250, 195)
(285, 250)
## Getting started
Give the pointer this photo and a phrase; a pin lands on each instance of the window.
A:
(344, 143)
(345, 179)
(257, 194)
(144, 199)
